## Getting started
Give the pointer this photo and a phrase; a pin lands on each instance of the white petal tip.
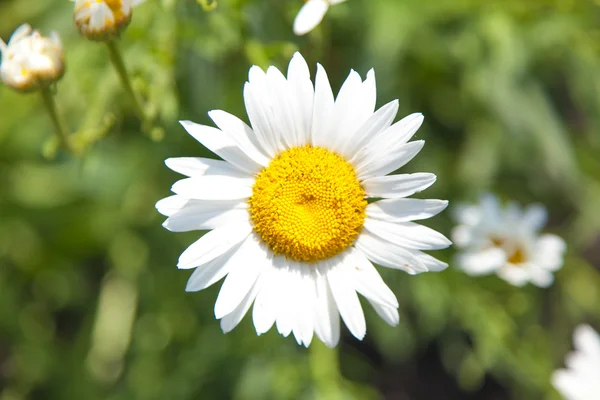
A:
(187, 125)
(190, 289)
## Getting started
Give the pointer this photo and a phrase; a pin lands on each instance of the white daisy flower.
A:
(291, 228)
(103, 19)
(311, 14)
(506, 241)
(31, 61)
(581, 379)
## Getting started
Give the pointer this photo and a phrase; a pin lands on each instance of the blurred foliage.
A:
(91, 304)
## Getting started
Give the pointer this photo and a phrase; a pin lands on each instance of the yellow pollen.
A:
(307, 204)
(517, 256)
(516, 253)
(116, 6)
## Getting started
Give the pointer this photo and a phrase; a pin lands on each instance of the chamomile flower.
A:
(103, 19)
(507, 241)
(311, 14)
(31, 61)
(290, 225)
(580, 380)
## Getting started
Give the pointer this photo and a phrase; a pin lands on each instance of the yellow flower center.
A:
(517, 256)
(307, 204)
(116, 6)
(516, 252)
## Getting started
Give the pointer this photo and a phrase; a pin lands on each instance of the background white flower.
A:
(103, 19)
(506, 241)
(291, 227)
(581, 379)
(311, 14)
(31, 61)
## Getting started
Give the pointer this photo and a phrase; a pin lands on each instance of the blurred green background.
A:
(92, 305)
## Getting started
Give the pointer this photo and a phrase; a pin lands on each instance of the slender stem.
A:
(325, 370)
(117, 59)
(59, 127)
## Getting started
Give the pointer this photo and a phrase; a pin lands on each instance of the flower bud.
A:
(103, 20)
(31, 61)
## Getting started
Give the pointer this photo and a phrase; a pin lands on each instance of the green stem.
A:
(59, 127)
(117, 59)
(325, 368)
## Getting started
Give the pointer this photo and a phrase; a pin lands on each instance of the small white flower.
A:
(506, 241)
(290, 225)
(31, 61)
(103, 19)
(311, 14)
(581, 379)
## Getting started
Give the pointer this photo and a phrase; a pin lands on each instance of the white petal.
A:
(302, 93)
(211, 272)
(367, 280)
(246, 265)
(285, 319)
(265, 310)
(378, 122)
(388, 314)
(290, 306)
(515, 275)
(283, 115)
(354, 105)
(587, 340)
(309, 16)
(242, 134)
(322, 110)
(467, 214)
(490, 206)
(388, 163)
(397, 134)
(346, 299)
(387, 144)
(403, 210)
(568, 384)
(370, 92)
(258, 106)
(101, 17)
(186, 221)
(22, 31)
(195, 166)
(549, 251)
(327, 324)
(170, 205)
(513, 213)
(221, 144)
(431, 263)
(407, 234)
(304, 303)
(462, 236)
(214, 188)
(348, 113)
(213, 244)
(388, 254)
(394, 186)
(482, 262)
(138, 2)
(179, 205)
(541, 277)
(535, 217)
(232, 319)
